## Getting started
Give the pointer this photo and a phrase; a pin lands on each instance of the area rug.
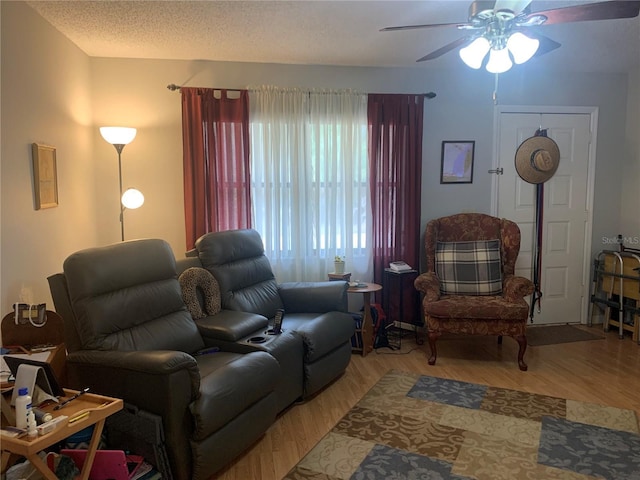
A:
(554, 334)
(410, 426)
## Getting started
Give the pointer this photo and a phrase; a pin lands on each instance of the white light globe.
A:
(522, 47)
(473, 54)
(499, 61)
(132, 199)
(118, 135)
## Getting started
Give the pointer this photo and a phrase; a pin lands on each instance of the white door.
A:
(565, 215)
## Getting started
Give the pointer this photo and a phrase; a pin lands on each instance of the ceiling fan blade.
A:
(428, 25)
(582, 13)
(515, 6)
(546, 44)
(447, 48)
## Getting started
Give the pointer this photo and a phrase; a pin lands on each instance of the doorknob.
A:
(497, 171)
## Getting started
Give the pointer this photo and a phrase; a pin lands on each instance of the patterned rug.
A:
(411, 426)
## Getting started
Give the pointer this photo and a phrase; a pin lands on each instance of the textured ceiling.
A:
(317, 32)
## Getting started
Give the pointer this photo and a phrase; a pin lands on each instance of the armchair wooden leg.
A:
(522, 342)
(433, 337)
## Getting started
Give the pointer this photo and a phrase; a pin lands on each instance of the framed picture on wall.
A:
(457, 161)
(45, 179)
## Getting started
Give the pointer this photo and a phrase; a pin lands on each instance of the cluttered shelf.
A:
(33, 359)
(121, 436)
(53, 355)
(83, 411)
(40, 338)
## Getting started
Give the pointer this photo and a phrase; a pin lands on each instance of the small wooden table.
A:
(89, 409)
(366, 330)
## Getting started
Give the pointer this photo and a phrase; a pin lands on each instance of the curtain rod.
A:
(173, 87)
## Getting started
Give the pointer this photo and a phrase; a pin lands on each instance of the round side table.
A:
(366, 330)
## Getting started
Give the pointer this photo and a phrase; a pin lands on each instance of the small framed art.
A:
(45, 177)
(457, 161)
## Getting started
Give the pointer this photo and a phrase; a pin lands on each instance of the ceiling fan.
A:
(506, 30)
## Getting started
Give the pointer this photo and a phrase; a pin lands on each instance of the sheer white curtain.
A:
(309, 180)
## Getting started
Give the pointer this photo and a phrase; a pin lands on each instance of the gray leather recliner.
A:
(129, 335)
(315, 312)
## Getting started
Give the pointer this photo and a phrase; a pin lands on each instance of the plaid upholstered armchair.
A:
(469, 286)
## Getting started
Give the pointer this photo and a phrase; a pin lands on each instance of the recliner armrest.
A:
(428, 284)
(314, 297)
(62, 303)
(230, 325)
(152, 380)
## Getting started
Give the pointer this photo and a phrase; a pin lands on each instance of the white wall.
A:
(45, 99)
(1, 177)
(53, 93)
(629, 215)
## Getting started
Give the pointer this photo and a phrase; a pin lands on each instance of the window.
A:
(309, 180)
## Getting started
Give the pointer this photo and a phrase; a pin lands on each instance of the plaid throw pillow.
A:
(469, 268)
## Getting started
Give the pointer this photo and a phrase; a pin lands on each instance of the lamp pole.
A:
(119, 148)
(119, 137)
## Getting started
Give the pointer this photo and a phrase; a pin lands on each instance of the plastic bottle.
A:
(32, 430)
(23, 408)
(41, 416)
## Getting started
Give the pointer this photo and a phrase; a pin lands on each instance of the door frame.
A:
(588, 229)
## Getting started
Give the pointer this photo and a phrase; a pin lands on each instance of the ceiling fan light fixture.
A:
(497, 20)
(499, 61)
(522, 48)
(473, 54)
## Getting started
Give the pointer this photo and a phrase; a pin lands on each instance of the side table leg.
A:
(8, 459)
(91, 451)
(42, 467)
(367, 328)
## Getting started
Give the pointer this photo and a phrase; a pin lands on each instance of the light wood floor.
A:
(601, 371)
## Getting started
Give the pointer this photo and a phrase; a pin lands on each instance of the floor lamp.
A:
(132, 198)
